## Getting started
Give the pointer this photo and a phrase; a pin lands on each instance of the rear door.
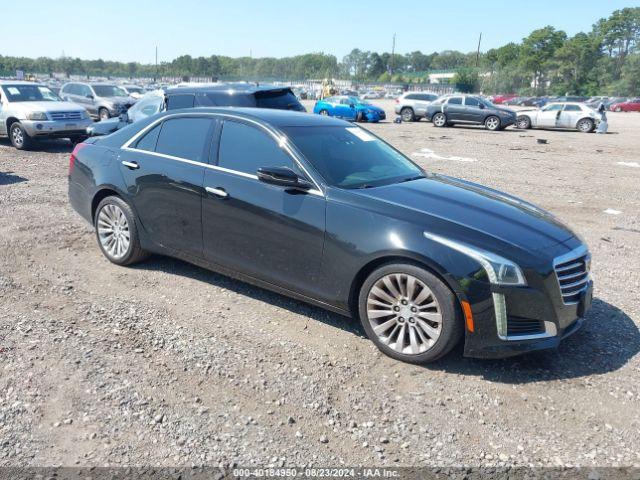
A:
(163, 170)
(454, 109)
(570, 116)
(265, 231)
(550, 115)
(421, 102)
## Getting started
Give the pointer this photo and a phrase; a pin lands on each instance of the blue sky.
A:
(129, 30)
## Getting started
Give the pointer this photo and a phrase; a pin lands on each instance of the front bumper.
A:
(510, 321)
(375, 116)
(56, 129)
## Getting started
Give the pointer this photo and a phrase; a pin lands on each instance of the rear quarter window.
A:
(180, 101)
(279, 99)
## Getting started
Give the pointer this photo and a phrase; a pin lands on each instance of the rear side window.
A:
(428, 97)
(148, 141)
(180, 101)
(455, 101)
(245, 149)
(411, 97)
(572, 108)
(184, 138)
(280, 99)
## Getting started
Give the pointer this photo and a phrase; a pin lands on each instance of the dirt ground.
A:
(167, 364)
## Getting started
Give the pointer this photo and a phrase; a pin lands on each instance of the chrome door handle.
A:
(132, 165)
(218, 192)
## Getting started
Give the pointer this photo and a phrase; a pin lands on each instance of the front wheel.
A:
(103, 114)
(586, 125)
(409, 313)
(492, 123)
(439, 119)
(20, 139)
(117, 232)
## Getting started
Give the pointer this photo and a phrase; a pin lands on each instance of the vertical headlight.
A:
(500, 270)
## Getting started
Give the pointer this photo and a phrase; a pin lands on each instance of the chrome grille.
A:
(572, 275)
(66, 115)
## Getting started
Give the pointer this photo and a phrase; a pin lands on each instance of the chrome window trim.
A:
(280, 140)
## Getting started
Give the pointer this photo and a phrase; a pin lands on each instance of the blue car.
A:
(349, 108)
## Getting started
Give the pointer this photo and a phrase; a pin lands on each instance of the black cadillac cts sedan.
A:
(321, 210)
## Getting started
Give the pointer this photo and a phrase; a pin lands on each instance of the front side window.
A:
(350, 157)
(184, 137)
(245, 149)
(471, 102)
(29, 93)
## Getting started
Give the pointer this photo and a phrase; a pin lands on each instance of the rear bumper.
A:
(55, 129)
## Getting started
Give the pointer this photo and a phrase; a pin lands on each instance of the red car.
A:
(499, 99)
(632, 105)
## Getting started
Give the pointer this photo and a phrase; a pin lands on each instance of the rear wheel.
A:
(117, 233)
(20, 139)
(492, 123)
(409, 313)
(407, 114)
(523, 122)
(586, 125)
(439, 119)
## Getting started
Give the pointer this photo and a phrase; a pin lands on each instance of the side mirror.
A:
(124, 117)
(352, 105)
(89, 96)
(282, 177)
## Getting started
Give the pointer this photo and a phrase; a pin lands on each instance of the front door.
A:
(265, 231)
(164, 171)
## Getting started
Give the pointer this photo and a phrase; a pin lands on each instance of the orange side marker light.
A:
(468, 316)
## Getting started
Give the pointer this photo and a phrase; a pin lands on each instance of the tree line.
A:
(605, 60)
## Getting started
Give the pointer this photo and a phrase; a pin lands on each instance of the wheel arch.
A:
(101, 194)
(10, 121)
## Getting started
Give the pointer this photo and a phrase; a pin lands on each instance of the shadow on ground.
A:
(607, 341)
(8, 178)
(47, 146)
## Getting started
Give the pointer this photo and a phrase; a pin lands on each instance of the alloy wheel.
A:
(404, 313)
(407, 115)
(585, 126)
(439, 120)
(113, 231)
(492, 123)
(17, 136)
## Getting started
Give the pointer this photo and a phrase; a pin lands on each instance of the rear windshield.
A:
(280, 99)
(29, 93)
(225, 99)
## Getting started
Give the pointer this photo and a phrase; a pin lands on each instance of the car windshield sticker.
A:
(361, 134)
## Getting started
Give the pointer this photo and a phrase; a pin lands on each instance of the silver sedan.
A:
(566, 115)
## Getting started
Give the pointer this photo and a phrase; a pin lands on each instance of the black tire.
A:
(492, 123)
(360, 117)
(586, 125)
(452, 324)
(523, 122)
(103, 114)
(134, 252)
(20, 139)
(407, 114)
(439, 119)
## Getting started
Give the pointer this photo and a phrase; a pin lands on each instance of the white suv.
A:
(412, 106)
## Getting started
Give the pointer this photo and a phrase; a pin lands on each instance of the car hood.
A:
(476, 210)
(105, 127)
(507, 110)
(370, 107)
(47, 106)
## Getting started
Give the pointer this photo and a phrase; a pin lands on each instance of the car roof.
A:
(271, 116)
(247, 88)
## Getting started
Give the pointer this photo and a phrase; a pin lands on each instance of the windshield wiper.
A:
(410, 179)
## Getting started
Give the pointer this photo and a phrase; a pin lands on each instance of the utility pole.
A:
(393, 51)
(478, 51)
(156, 77)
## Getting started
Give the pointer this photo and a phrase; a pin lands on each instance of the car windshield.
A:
(29, 93)
(135, 89)
(109, 91)
(485, 102)
(359, 101)
(350, 157)
(279, 99)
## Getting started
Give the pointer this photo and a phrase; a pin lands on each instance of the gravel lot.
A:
(167, 364)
